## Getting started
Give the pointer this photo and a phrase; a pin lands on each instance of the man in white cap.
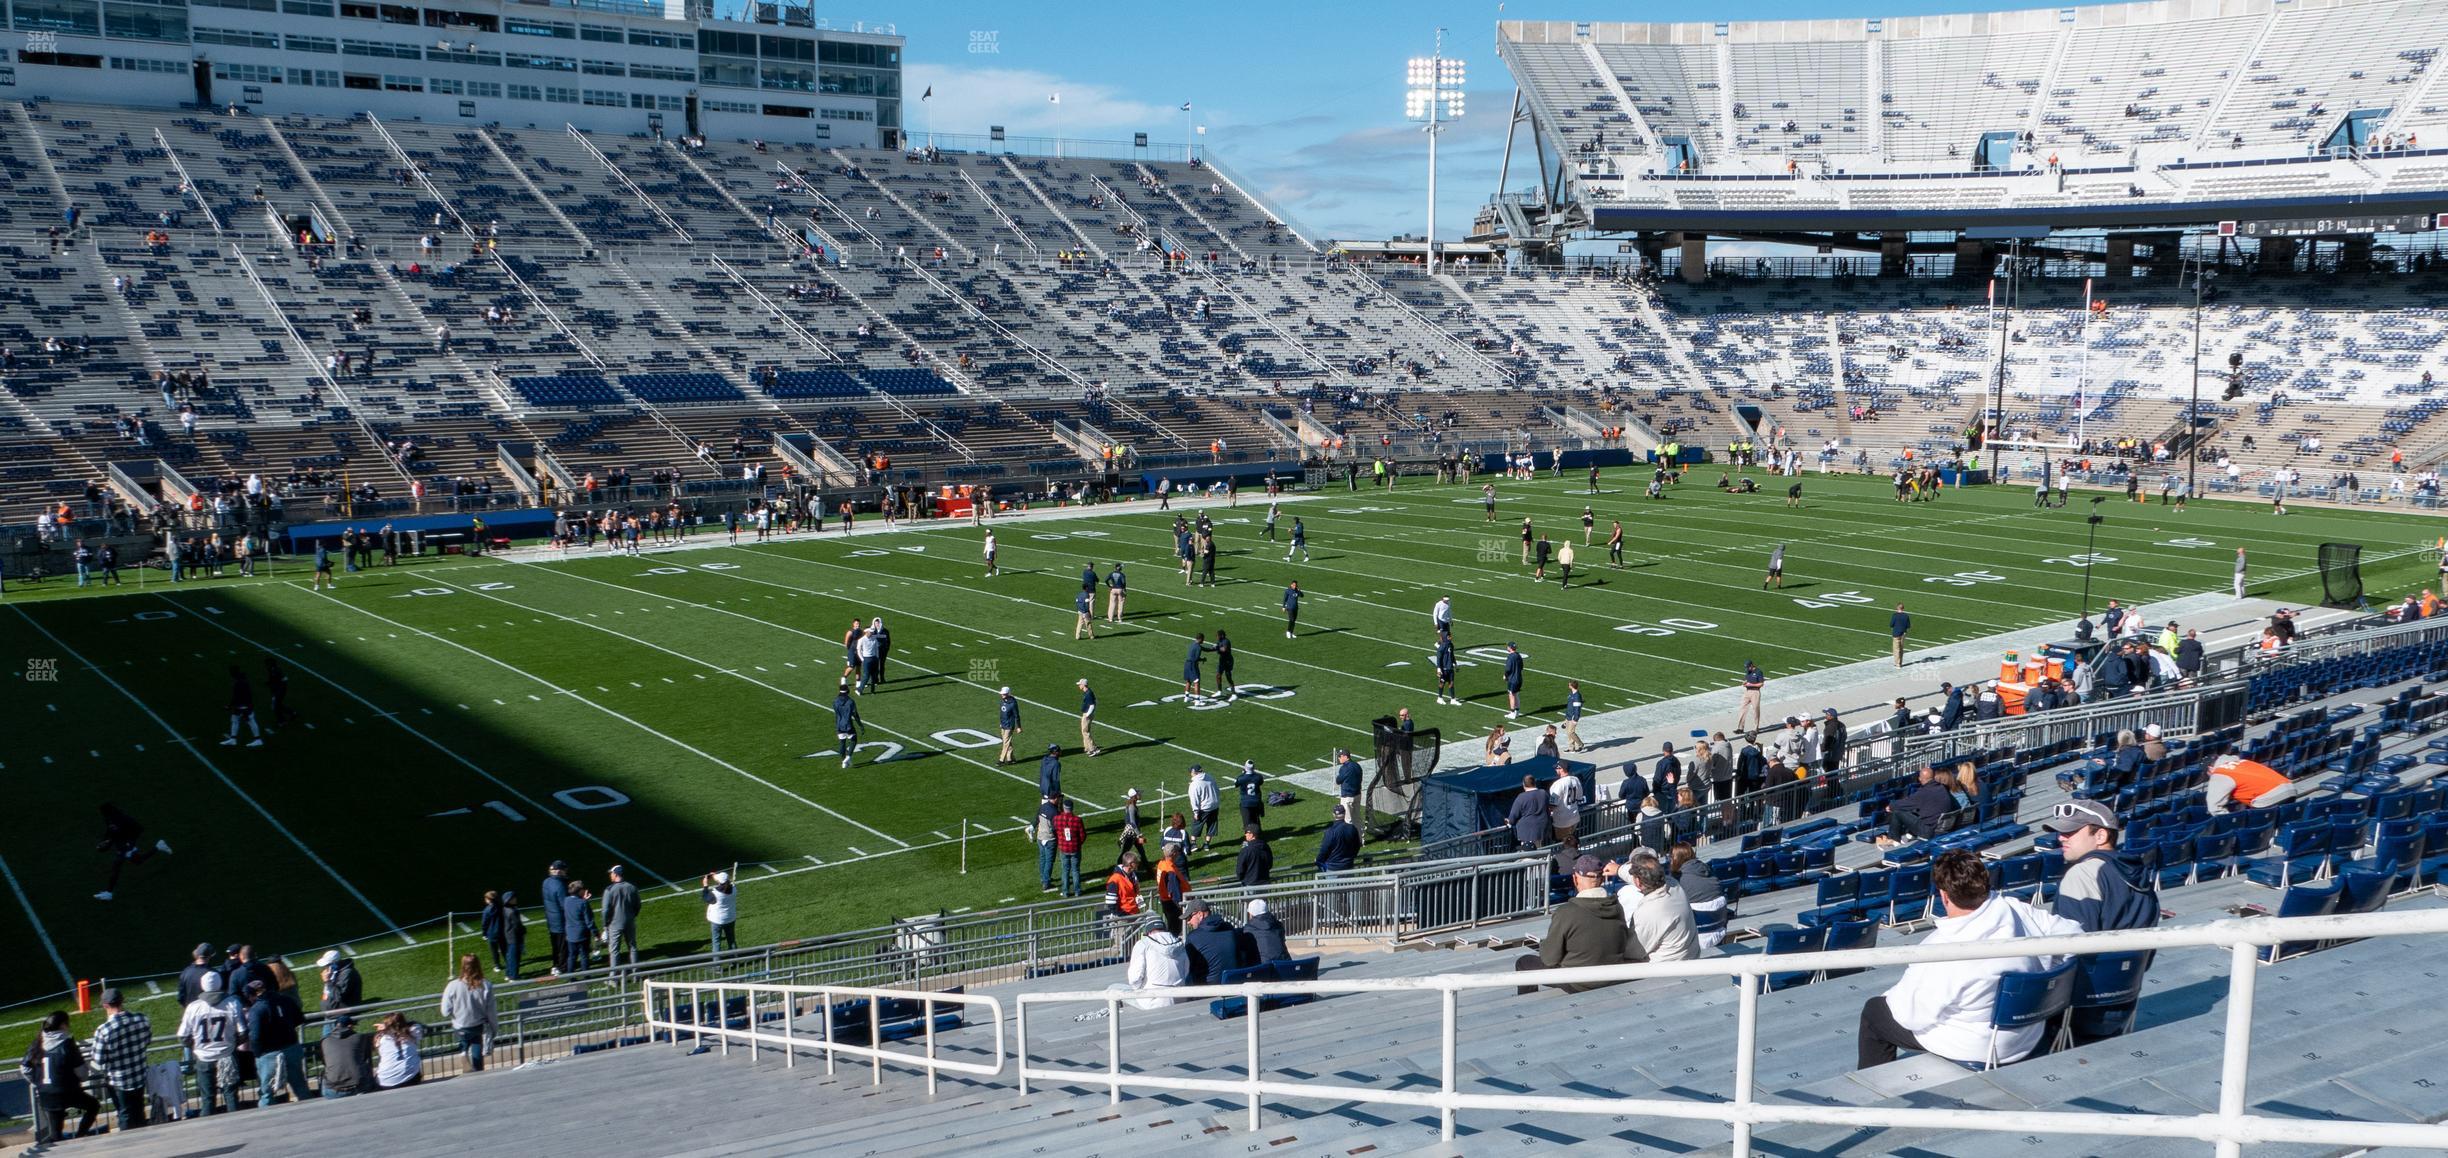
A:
(1205, 801)
(722, 909)
(341, 985)
(1087, 716)
(1007, 720)
(1266, 934)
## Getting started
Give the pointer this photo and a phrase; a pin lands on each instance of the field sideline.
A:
(466, 721)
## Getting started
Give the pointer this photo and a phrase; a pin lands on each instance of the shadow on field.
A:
(372, 782)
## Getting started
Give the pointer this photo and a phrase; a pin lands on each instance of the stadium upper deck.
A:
(2155, 113)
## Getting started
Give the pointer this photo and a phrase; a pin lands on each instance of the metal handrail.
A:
(2231, 1127)
(791, 998)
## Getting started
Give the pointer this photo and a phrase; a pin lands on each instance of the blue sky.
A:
(1302, 100)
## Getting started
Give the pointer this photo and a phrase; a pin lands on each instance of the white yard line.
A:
(635, 723)
(1077, 657)
(771, 624)
(218, 774)
(617, 855)
(44, 934)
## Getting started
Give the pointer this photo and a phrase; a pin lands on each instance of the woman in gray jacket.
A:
(467, 1003)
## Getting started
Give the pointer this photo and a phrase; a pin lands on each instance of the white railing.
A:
(2230, 1128)
(793, 1001)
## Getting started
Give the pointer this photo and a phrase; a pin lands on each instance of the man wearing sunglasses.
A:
(2103, 888)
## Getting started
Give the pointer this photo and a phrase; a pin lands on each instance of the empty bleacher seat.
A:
(581, 389)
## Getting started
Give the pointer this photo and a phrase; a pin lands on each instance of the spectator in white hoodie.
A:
(1159, 961)
(1944, 1007)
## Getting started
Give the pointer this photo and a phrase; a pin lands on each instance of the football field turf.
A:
(464, 722)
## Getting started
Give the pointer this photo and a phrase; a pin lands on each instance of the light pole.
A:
(1996, 423)
(1433, 96)
(2202, 295)
(2090, 553)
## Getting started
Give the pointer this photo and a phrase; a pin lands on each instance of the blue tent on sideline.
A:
(1467, 800)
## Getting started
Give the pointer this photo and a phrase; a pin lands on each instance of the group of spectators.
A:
(1942, 1008)
(240, 1023)
(1626, 912)
(1181, 938)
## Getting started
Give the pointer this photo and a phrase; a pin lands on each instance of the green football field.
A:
(464, 722)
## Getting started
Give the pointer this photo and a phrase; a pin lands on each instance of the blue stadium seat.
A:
(664, 389)
(2107, 988)
(1707, 921)
(1910, 894)
(1856, 933)
(1295, 969)
(2304, 852)
(1840, 890)
(824, 382)
(909, 383)
(2303, 901)
(2019, 876)
(1788, 939)
(2364, 892)
(2027, 999)
(577, 389)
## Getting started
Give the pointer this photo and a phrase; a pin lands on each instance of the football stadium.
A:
(553, 616)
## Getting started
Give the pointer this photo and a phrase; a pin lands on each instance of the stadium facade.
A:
(618, 66)
(2309, 119)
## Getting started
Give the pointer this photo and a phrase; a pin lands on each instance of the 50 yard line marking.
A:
(218, 774)
(1057, 711)
(784, 692)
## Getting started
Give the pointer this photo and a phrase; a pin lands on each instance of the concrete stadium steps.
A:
(581, 187)
(657, 168)
(483, 191)
(2174, 1067)
(28, 204)
(115, 171)
(1635, 1040)
(349, 164)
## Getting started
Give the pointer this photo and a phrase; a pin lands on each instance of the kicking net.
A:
(2341, 573)
(1391, 798)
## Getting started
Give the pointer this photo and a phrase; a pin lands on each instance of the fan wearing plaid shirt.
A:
(119, 1045)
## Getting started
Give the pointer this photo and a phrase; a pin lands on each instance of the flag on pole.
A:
(1185, 106)
(1054, 99)
(930, 91)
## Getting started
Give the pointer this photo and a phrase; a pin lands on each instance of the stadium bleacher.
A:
(687, 273)
(1817, 108)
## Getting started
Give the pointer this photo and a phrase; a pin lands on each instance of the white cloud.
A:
(967, 100)
(1369, 182)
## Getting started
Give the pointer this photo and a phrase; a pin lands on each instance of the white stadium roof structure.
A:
(2168, 113)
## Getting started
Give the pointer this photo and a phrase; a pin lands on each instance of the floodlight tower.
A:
(1433, 97)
